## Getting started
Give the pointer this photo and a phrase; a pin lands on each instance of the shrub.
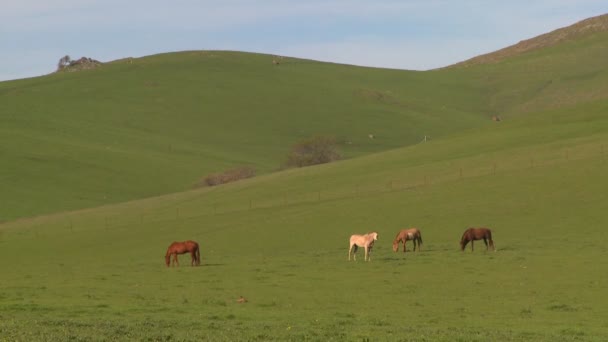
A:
(228, 176)
(313, 151)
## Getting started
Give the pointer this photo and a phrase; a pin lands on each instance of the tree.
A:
(63, 62)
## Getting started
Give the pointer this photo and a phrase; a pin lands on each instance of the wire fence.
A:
(205, 203)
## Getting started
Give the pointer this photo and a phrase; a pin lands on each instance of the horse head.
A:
(374, 235)
(168, 260)
(395, 246)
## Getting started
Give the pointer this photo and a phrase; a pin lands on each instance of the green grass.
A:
(98, 168)
(158, 125)
(281, 241)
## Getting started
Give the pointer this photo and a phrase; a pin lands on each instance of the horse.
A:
(182, 248)
(366, 241)
(406, 235)
(473, 234)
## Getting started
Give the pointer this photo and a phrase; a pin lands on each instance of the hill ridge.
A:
(584, 27)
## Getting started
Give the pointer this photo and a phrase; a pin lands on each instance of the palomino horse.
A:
(182, 248)
(473, 234)
(406, 235)
(366, 241)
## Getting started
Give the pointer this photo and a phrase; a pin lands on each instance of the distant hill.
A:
(142, 127)
(573, 32)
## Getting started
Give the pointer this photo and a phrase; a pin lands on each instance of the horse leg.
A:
(176, 259)
(485, 241)
(353, 248)
(366, 251)
(492, 245)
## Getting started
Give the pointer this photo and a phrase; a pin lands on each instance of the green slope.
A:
(143, 127)
(537, 179)
(154, 125)
(280, 240)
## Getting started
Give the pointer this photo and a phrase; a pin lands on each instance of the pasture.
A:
(281, 241)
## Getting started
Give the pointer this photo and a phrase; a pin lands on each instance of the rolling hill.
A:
(136, 128)
(121, 141)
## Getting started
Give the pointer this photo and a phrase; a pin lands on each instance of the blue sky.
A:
(414, 34)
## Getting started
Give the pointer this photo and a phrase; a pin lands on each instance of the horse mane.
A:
(466, 234)
(397, 238)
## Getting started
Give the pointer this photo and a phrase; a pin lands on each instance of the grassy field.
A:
(161, 123)
(156, 125)
(281, 241)
(99, 166)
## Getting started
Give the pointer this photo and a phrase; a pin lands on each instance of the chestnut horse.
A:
(366, 241)
(473, 234)
(406, 235)
(182, 248)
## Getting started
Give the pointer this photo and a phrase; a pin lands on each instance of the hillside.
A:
(151, 126)
(280, 240)
(142, 127)
(573, 32)
(566, 74)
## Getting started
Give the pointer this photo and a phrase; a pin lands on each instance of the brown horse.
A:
(182, 248)
(473, 234)
(406, 235)
(366, 241)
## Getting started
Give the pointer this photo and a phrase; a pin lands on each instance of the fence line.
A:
(289, 198)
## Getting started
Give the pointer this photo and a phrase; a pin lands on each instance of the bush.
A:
(313, 151)
(228, 176)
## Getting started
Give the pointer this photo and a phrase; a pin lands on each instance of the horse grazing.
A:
(182, 248)
(406, 235)
(366, 241)
(473, 234)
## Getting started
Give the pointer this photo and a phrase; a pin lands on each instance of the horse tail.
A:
(420, 238)
(198, 256)
(490, 240)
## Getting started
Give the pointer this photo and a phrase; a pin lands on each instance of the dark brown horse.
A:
(473, 234)
(406, 235)
(182, 248)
